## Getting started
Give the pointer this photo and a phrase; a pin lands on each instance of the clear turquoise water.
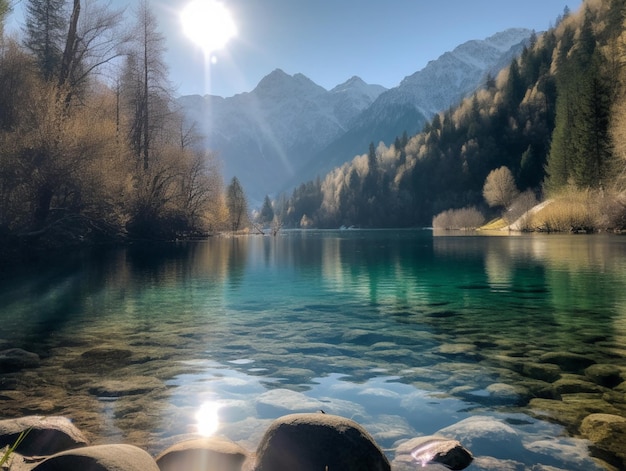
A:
(402, 331)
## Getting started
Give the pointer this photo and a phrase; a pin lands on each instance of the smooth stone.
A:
(100, 458)
(315, 442)
(570, 362)
(489, 463)
(47, 435)
(435, 449)
(605, 375)
(487, 436)
(607, 433)
(571, 410)
(16, 359)
(203, 454)
(105, 359)
(574, 384)
(542, 371)
(560, 451)
(281, 401)
(506, 393)
(129, 386)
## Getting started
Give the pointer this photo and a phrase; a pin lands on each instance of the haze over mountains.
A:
(289, 130)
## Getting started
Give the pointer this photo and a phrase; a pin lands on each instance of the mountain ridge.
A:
(289, 129)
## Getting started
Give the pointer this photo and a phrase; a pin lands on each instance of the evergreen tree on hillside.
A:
(581, 147)
(46, 27)
(547, 118)
(370, 185)
(590, 130)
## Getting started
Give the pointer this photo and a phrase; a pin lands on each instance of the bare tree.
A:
(144, 83)
(94, 39)
(500, 188)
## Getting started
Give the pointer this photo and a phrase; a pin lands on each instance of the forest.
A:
(92, 147)
(555, 119)
(94, 150)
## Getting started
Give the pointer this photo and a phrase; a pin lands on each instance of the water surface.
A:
(404, 332)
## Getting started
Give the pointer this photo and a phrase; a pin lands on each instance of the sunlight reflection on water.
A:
(208, 420)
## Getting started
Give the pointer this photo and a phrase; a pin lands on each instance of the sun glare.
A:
(208, 24)
(208, 420)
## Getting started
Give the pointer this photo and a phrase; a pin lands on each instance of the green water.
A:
(402, 331)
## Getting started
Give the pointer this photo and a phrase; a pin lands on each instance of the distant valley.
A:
(289, 130)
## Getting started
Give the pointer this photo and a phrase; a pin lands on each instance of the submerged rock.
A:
(16, 359)
(203, 454)
(127, 387)
(46, 435)
(605, 375)
(487, 436)
(570, 362)
(315, 442)
(422, 451)
(101, 359)
(607, 433)
(542, 371)
(100, 458)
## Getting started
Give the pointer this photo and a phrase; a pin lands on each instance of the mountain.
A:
(263, 137)
(443, 83)
(289, 129)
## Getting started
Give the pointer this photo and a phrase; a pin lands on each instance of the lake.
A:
(405, 332)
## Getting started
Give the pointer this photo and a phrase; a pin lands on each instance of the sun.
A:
(209, 24)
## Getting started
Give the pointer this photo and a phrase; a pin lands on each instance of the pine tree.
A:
(267, 212)
(590, 130)
(237, 204)
(561, 149)
(45, 34)
(514, 89)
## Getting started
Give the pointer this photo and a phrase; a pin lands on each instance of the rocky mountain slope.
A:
(289, 129)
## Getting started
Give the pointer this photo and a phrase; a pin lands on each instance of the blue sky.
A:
(329, 41)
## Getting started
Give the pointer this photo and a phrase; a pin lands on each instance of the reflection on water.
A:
(404, 332)
(208, 419)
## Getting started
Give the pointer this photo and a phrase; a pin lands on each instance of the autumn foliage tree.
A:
(500, 188)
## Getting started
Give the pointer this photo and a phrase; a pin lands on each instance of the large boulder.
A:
(607, 433)
(318, 442)
(203, 454)
(100, 458)
(45, 435)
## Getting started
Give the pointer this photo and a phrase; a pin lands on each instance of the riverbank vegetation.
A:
(92, 147)
(555, 118)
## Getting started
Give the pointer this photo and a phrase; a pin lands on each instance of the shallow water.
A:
(404, 332)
